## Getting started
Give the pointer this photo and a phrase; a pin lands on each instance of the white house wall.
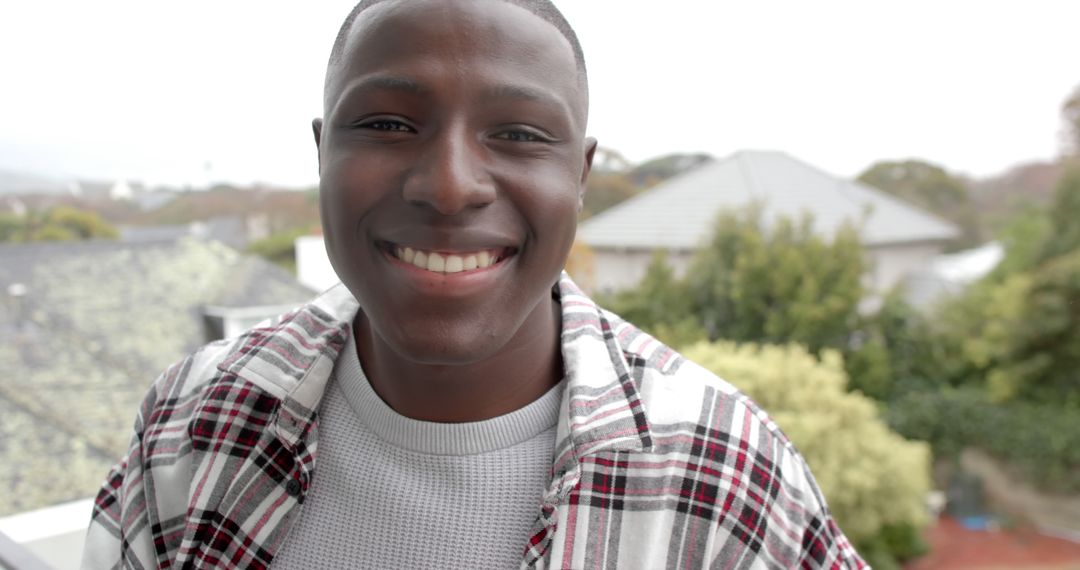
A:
(313, 264)
(890, 264)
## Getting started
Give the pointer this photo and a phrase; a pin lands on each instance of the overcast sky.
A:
(186, 93)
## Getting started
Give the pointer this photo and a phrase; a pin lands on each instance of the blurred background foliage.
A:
(995, 367)
(62, 223)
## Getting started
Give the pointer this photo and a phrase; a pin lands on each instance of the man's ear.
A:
(590, 151)
(316, 128)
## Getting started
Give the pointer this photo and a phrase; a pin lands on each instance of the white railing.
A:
(45, 539)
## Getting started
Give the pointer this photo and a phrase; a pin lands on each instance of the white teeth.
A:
(454, 263)
(445, 263)
(436, 262)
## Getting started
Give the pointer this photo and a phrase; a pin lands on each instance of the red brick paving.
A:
(953, 547)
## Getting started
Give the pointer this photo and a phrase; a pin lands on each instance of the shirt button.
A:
(292, 487)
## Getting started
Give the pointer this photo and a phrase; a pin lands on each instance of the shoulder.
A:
(737, 458)
(675, 390)
(264, 365)
(694, 414)
(226, 411)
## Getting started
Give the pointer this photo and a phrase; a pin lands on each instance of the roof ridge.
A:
(676, 213)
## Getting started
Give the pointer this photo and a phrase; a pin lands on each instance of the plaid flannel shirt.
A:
(658, 463)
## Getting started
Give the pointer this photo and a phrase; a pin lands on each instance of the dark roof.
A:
(229, 230)
(97, 323)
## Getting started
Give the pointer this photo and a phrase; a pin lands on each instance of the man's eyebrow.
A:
(524, 92)
(519, 92)
(384, 83)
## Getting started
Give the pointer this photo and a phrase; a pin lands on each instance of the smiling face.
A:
(452, 160)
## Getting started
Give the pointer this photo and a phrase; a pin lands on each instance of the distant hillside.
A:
(1031, 184)
(654, 171)
(285, 208)
(981, 207)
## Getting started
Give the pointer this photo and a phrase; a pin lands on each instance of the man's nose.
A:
(451, 176)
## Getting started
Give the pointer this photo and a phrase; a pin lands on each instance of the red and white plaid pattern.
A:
(658, 463)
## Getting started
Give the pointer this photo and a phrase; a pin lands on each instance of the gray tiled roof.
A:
(229, 230)
(679, 213)
(98, 322)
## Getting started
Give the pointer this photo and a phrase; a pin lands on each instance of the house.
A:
(85, 327)
(950, 274)
(116, 190)
(313, 263)
(678, 215)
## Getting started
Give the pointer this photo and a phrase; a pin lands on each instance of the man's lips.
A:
(449, 262)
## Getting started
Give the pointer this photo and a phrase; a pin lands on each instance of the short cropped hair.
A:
(544, 9)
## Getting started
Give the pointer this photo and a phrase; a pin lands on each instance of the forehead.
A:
(478, 39)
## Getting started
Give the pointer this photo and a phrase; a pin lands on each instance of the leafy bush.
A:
(1040, 441)
(62, 223)
(874, 480)
(279, 248)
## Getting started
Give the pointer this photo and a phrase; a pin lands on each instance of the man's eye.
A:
(388, 125)
(525, 136)
(519, 136)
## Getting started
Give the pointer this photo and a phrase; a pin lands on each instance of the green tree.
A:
(58, 224)
(930, 187)
(980, 323)
(1040, 351)
(1020, 329)
(1024, 238)
(660, 305)
(897, 350)
(1064, 236)
(874, 480)
(787, 284)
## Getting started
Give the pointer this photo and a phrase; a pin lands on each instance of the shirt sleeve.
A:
(121, 531)
(823, 544)
(786, 525)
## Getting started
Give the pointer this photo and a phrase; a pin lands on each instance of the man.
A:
(457, 403)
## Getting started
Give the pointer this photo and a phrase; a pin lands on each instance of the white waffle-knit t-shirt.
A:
(394, 492)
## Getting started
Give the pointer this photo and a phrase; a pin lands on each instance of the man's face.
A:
(452, 161)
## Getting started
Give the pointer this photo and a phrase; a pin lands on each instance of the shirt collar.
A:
(292, 359)
(601, 408)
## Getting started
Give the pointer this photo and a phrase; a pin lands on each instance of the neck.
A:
(521, 371)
